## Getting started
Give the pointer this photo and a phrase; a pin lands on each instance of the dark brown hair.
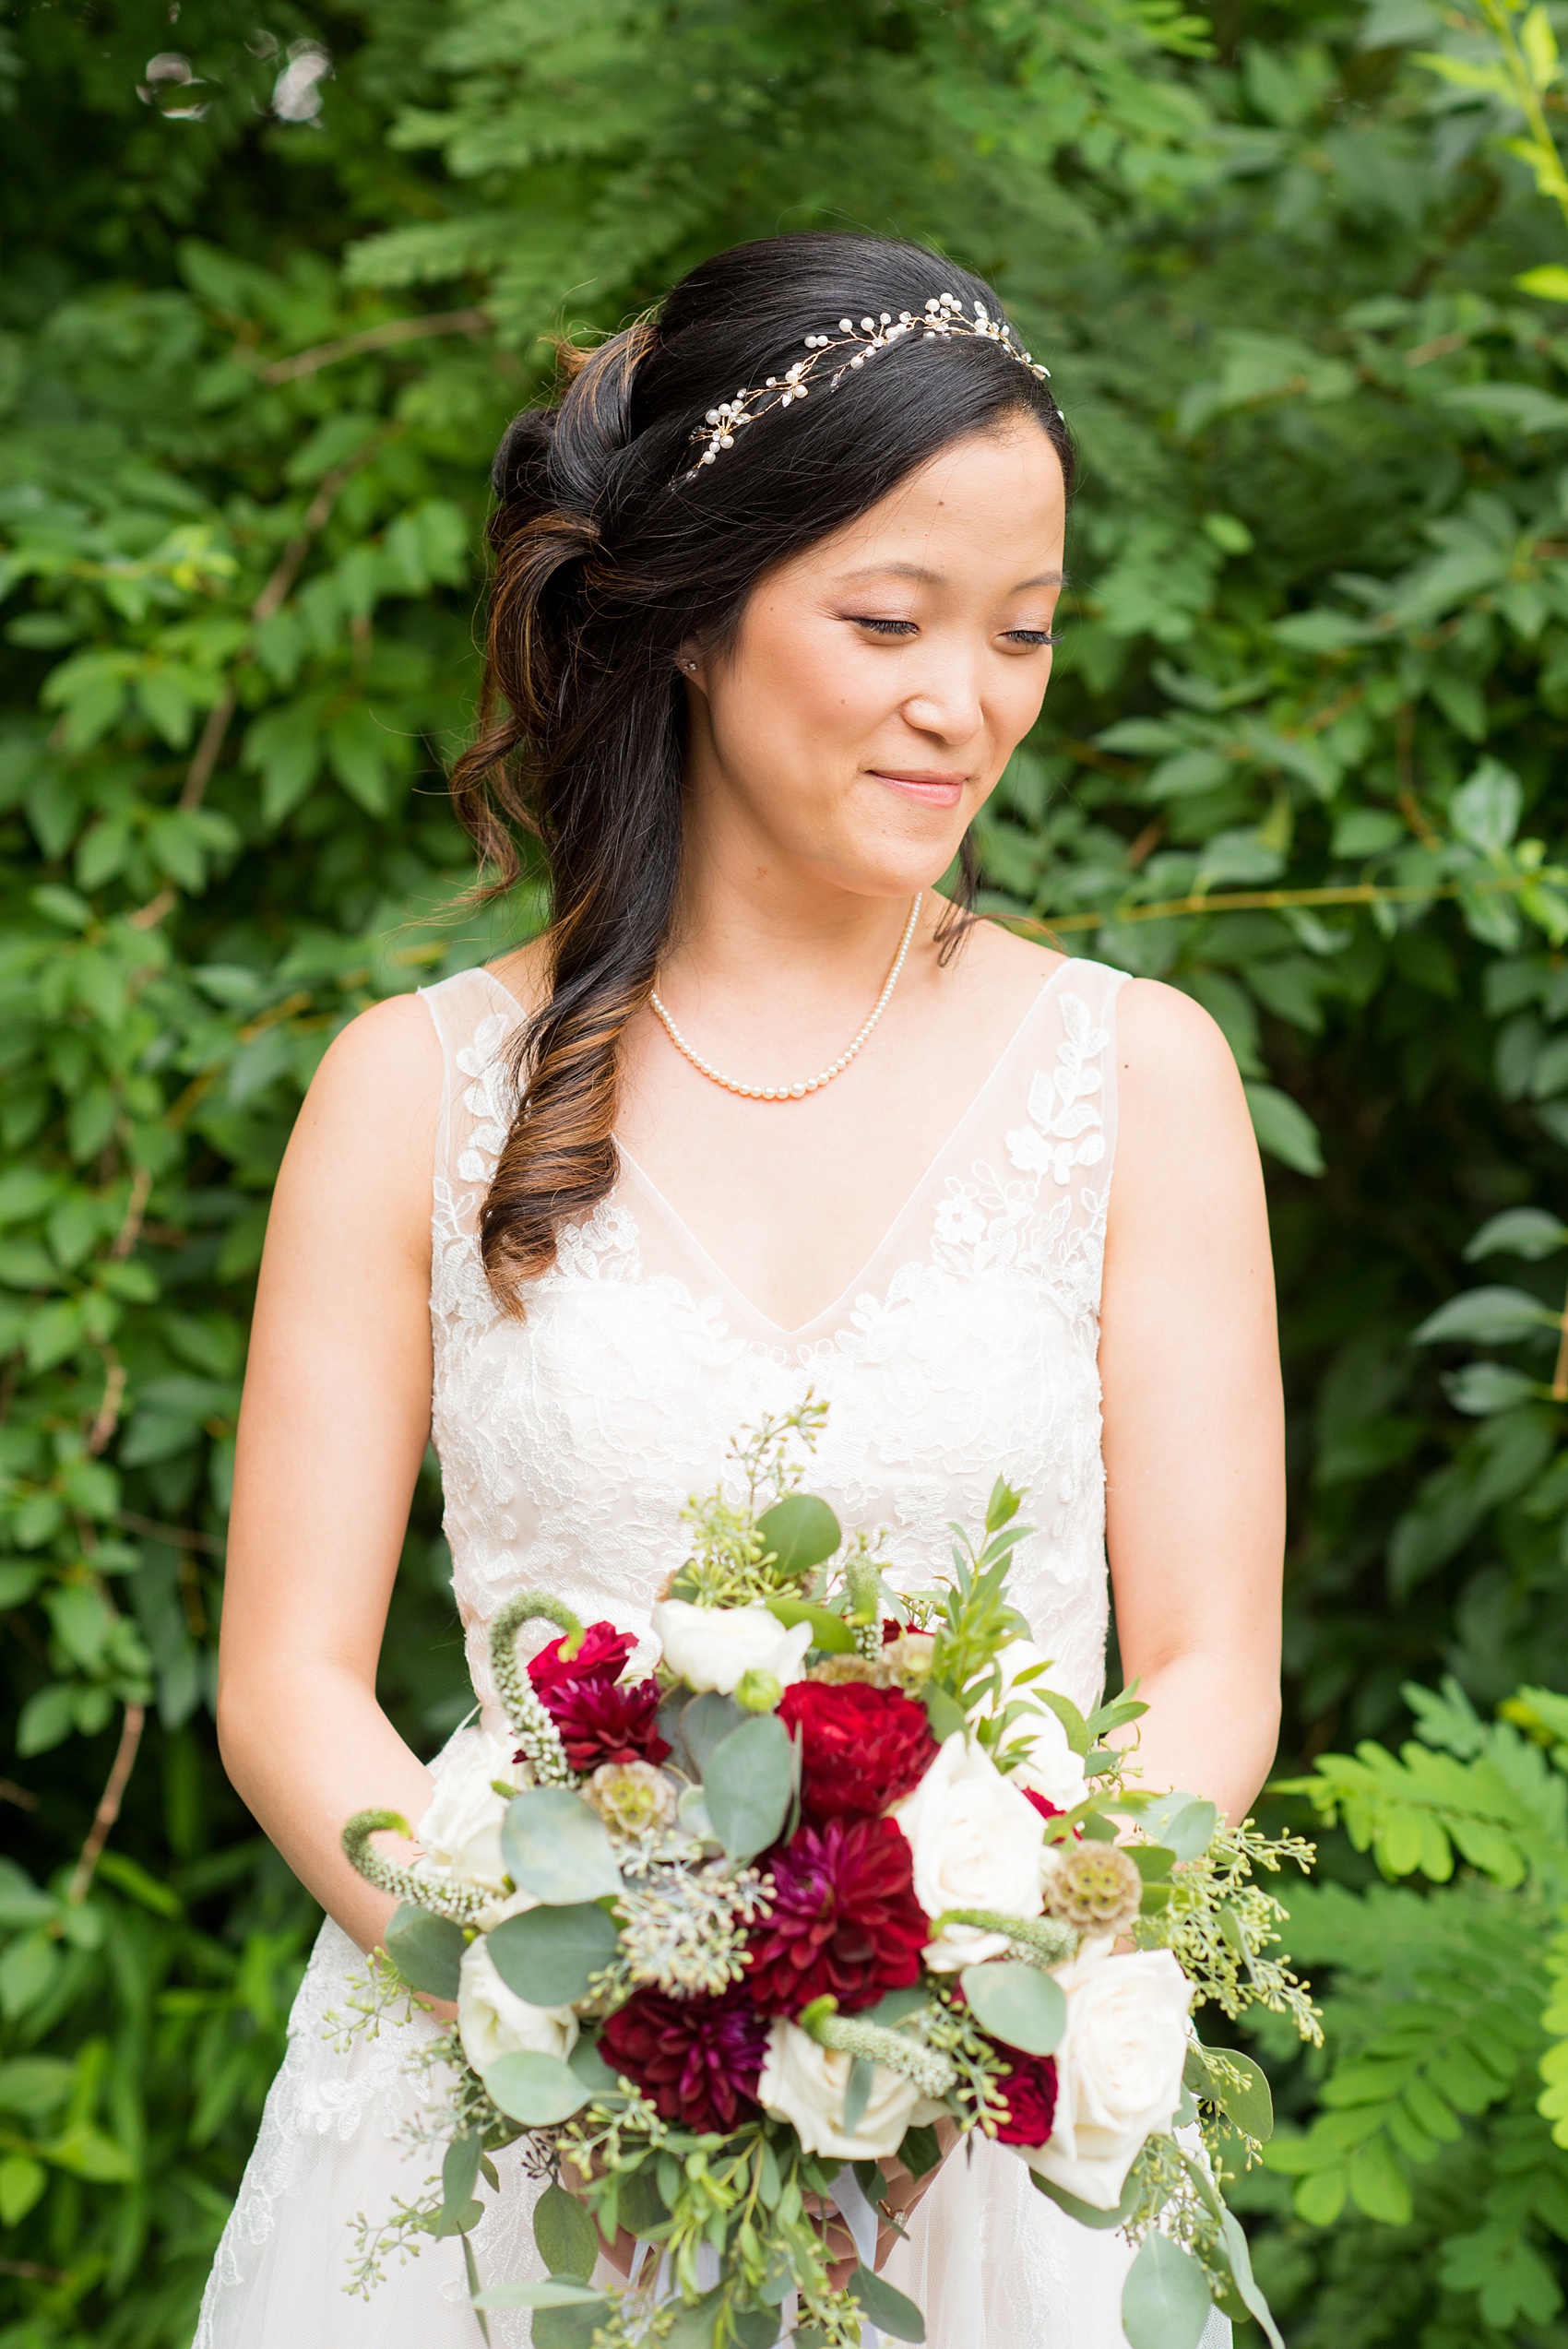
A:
(606, 562)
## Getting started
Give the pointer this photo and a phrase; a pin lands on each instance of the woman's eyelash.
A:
(1029, 637)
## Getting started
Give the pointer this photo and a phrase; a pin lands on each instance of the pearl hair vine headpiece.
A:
(942, 317)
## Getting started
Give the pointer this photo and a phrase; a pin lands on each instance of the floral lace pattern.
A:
(569, 1441)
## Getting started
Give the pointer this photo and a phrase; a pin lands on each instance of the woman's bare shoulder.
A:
(1179, 1089)
(367, 1125)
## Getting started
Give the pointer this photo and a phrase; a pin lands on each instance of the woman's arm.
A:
(333, 1426)
(1193, 1417)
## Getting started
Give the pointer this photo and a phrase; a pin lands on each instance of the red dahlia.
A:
(599, 1719)
(697, 2059)
(601, 1657)
(1047, 1810)
(844, 1918)
(862, 1748)
(1030, 2091)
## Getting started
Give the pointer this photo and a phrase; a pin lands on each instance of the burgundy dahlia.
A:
(1030, 2091)
(600, 1656)
(599, 1718)
(697, 2059)
(844, 1918)
(1047, 1810)
(861, 1749)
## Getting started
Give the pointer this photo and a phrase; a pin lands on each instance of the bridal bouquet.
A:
(729, 1942)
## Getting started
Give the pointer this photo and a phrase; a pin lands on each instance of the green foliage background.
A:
(1314, 704)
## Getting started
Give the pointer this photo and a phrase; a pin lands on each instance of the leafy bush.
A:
(1300, 759)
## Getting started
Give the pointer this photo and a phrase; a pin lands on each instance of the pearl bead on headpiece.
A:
(942, 317)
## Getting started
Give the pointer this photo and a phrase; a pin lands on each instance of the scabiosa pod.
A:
(537, 1733)
(461, 1903)
(930, 2071)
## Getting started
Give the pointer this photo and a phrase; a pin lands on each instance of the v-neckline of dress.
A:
(802, 1332)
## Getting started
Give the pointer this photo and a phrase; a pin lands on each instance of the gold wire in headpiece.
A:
(942, 317)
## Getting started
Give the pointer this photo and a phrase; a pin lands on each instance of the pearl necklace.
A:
(823, 1076)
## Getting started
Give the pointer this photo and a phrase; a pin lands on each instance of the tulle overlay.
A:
(568, 1443)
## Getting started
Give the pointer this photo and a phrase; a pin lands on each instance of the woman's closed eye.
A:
(1031, 638)
(880, 627)
(1027, 639)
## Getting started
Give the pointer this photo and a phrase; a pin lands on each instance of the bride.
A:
(761, 1111)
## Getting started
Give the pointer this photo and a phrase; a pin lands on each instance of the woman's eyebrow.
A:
(924, 578)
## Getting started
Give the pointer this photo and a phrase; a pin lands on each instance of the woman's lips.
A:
(929, 790)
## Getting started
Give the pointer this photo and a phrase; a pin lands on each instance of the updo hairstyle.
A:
(606, 562)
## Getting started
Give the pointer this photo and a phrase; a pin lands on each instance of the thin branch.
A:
(129, 1232)
(11, 1792)
(1356, 892)
(107, 1417)
(177, 1536)
(108, 1802)
(384, 338)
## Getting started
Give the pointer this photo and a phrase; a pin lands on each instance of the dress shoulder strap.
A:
(475, 1018)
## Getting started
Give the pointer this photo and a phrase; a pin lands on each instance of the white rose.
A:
(1118, 2070)
(492, 2021)
(977, 1844)
(714, 1647)
(1053, 1769)
(806, 2084)
(460, 1833)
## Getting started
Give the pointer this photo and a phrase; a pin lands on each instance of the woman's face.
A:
(880, 681)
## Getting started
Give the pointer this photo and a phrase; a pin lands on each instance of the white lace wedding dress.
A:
(966, 1347)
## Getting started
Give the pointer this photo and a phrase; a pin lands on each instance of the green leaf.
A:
(591, 2069)
(1486, 1317)
(829, 1632)
(749, 1783)
(1246, 2283)
(547, 1955)
(22, 2181)
(943, 1711)
(558, 2292)
(427, 1951)
(1284, 1128)
(1548, 282)
(887, 2308)
(1378, 2186)
(1181, 1821)
(567, 2237)
(705, 1722)
(800, 1531)
(557, 1848)
(857, 2096)
(1166, 2300)
(1519, 1232)
(460, 2175)
(537, 2090)
(920, 2150)
(1249, 2104)
(1017, 2004)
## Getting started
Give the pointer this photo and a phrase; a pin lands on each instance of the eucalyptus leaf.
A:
(555, 2292)
(706, 1722)
(642, 2205)
(591, 2069)
(1085, 2213)
(829, 1632)
(1246, 2283)
(572, 2327)
(857, 2096)
(459, 2173)
(887, 2308)
(557, 1848)
(547, 1955)
(1017, 2004)
(566, 2238)
(1067, 1713)
(749, 1783)
(1185, 1822)
(1154, 1862)
(427, 1951)
(537, 2090)
(1166, 2300)
(800, 1531)
(1251, 2104)
(920, 2150)
(693, 2326)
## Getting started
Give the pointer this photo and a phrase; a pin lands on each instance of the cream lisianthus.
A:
(976, 1843)
(806, 2084)
(715, 1647)
(1118, 2069)
(1051, 1768)
(492, 2021)
(460, 1833)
